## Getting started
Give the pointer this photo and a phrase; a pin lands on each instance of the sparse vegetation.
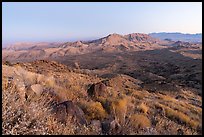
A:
(180, 117)
(139, 121)
(94, 110)
(119, 109)
(126, 107)
(143, 108)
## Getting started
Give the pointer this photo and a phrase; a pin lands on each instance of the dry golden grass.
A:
(34, 117)
(143, 108)
(50, 81)
(139, 121)
(64, 94)
(4, 83)
(119, 109)
(176, 106)
(19, 118)
(94, 110)
(138, 95)
(179, 117)
(192, 108)
(101, 99)
(166, 98)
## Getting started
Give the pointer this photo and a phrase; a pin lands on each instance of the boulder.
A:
(98, 89)
(180, 132)
(37, 88)
(96, 124)
(67, 108)
(111, 127)
(115, 127)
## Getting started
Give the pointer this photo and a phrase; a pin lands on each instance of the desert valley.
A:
(119, 84)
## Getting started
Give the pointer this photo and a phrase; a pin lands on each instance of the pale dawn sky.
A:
(66, 21)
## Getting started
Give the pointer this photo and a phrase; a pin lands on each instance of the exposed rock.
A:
(180, 132)
(37, 88)
(68, 108)
(149, 131)
(105, 127)
(180, 97)
(106, 82)
(98, 89)
(111, 127)
(97, 125)
(115, 127)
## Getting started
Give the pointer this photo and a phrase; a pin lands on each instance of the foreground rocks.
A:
(65, 109)
(98, 89)
(37, 88)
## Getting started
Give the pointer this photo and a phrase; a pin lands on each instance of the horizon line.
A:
(87, 39)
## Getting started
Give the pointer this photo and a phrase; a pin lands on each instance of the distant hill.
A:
(178, 36)
(111, 43)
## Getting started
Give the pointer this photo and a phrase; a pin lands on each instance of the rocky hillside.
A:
(46, 97)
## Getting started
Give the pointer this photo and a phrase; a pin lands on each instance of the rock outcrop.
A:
(68, 108)
(98, 89)
(37, 88)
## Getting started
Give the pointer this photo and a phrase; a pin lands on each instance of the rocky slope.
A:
(46, 97)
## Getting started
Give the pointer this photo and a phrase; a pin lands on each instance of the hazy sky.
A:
(73, 21)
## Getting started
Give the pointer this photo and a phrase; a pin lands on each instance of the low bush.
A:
(143, 108)
(119, 109)
(94, 110)
(139, 121)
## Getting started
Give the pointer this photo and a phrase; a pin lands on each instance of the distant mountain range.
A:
(113, 43)
(178, 36)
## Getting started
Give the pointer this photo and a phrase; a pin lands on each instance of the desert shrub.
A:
(34, 117)
(19, 118)
(193, 109)
(29, 78)
(174, 114)
(50, 81)
(94, 110)
(143, 108)
(138, 94)
(41, 79)
(166, 98)
(63, 94)
(105, 102)
(180, 117)
(71, 128)
(102, 100)
(119, 109)
(139, 121)
(178, 106)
